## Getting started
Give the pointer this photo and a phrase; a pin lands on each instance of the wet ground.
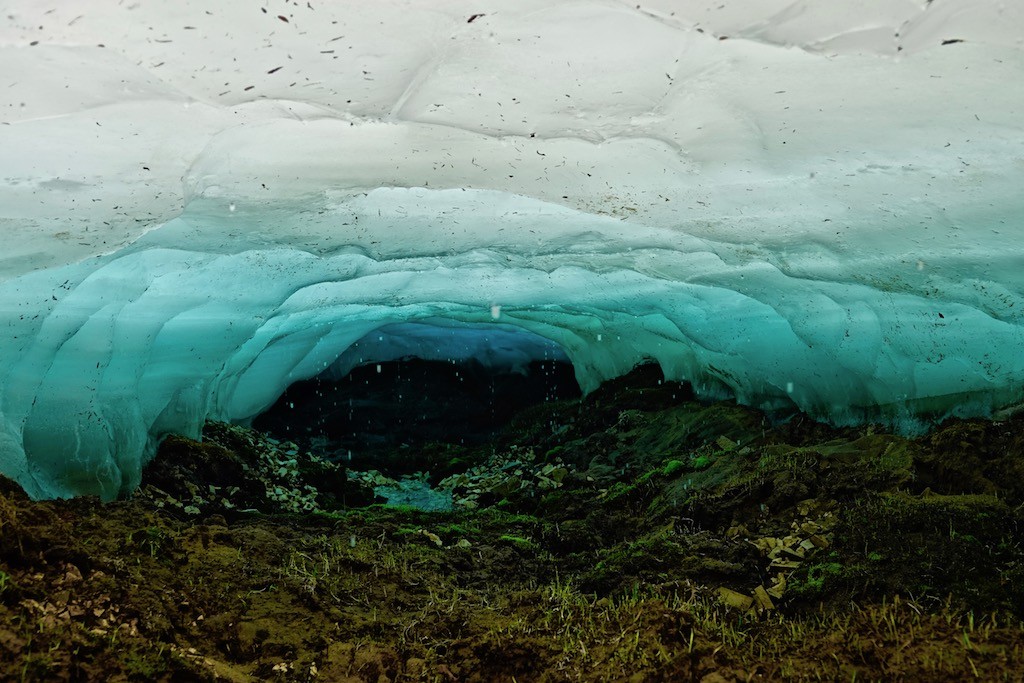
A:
(635, 535)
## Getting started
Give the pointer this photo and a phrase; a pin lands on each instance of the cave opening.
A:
(409, 397)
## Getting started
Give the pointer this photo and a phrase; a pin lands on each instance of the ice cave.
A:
(783, 202)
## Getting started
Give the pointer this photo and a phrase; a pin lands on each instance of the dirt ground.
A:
(634, 535)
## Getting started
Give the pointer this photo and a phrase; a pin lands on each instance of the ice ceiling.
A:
(811, 203)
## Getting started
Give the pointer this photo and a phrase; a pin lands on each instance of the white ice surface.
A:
(813, 203)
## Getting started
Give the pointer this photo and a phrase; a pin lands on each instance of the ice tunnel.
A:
(494, 345)
(791, 207)
(409, 386)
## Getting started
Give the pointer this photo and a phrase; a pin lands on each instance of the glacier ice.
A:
(788, 202)
(496, 347)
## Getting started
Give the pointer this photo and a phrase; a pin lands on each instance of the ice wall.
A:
(497, 347)
(810, 204)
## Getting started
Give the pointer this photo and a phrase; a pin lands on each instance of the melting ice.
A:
(789, 203)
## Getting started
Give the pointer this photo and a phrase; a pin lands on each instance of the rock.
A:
(415, 668)
(216, 520)
(794, 553)
(725, 443)
(809, 528)
(715, 677)
(733, 599)
(72, 574)
(778, 588)
(507, 487)
(819, 541)
(762, 599)
(784, 564)
(736, 531)
(558, 474)
(432, 537)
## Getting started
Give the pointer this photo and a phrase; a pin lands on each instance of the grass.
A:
(669, 630)
(611, 577)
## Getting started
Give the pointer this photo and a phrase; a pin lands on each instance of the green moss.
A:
(638, 491)
(456, 530)
(646, 477)
(701, 462)
(941, 545)
(147, 665)
(619, 490)
(649, 557)
(153, 539)
(509, 518)
(518, 541)
(672, 467)
(816, 579)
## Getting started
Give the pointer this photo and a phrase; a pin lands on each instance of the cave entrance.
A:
(409, 394)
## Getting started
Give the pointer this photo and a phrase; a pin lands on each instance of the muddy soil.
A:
(634, 535)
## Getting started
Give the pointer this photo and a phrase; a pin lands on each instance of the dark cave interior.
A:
(382, 409)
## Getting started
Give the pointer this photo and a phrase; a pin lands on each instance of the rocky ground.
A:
(632, 535)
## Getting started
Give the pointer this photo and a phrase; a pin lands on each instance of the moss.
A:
(510, 518)
(933, 544)
(565, 503)
(701, 462)
(640, 491)
(653, 557)
(672, 467)
(646, 477)
(152, 539)
(518, 541)
(147, 665)
(619, 490)
(456, 530)
(818, 579)
(594, 585)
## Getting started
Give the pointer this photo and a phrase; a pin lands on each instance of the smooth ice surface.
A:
(797, 203)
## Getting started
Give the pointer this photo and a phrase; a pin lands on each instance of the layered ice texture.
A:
(801, 204)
